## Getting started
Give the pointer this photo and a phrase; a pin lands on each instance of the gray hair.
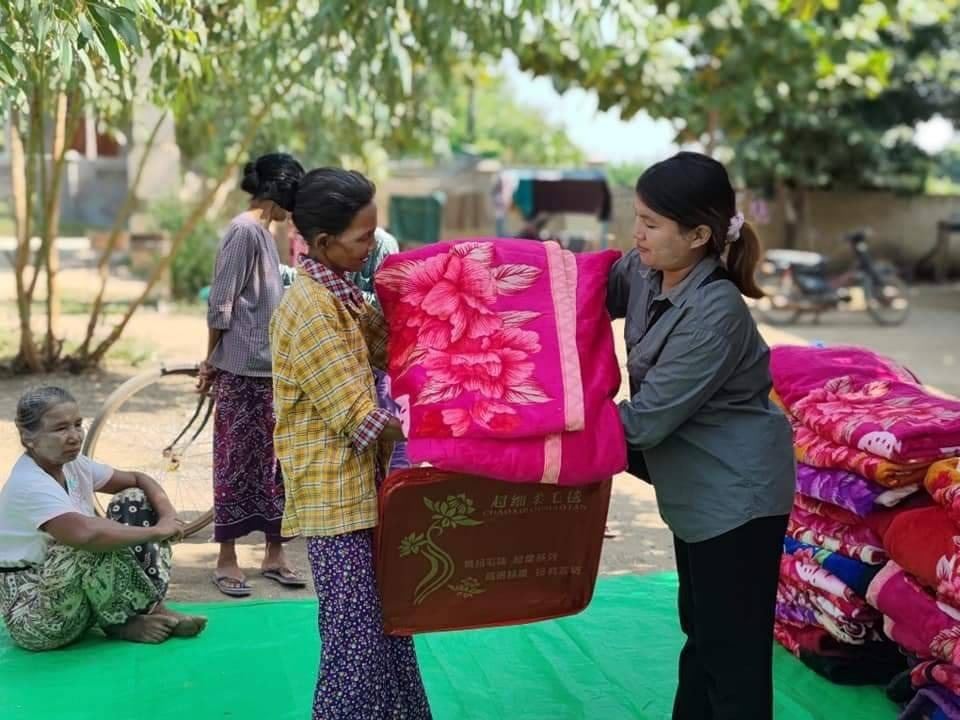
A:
(35, 403)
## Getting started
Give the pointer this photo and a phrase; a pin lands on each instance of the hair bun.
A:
(251, 181)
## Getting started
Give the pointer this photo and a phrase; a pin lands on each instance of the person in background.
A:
(333, 441)
(63, 570)
(702, 428)
(246, 289)
(384, 245)
(533, 229)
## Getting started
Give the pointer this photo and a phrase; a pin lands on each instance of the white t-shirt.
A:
(31, 497)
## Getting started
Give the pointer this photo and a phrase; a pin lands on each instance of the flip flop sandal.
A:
(285, 577)
(231, 586)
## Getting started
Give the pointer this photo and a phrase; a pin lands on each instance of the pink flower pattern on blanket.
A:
(794, 609)
(836, 606)
(825, 510)
(803, 569)
(858, 543)
(935, 672)
(943, 484)
(472, 360)
(820, 452)
(861, 400)
(511, 438)
(913, 618)
(853, 534)
(948, 576)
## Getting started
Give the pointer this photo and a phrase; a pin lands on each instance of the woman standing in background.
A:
(246, 289)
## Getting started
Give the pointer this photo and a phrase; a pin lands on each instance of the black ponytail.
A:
(275, 177)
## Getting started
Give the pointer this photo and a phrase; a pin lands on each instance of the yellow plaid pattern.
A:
(323, 389)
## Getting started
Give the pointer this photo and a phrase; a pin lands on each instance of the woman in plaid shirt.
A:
(333, 441)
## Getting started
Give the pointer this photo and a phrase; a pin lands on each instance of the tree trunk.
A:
(221, 196)
(27, 356)
(471, 109)
(713, 125)
(51, 225)
(198, 212)
(792, 199)
(103, 266)
(37, 158)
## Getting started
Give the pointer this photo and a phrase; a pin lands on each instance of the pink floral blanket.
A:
(943, 484)
(502, 357)
(913, 618)
(861, 400)
(858, 543)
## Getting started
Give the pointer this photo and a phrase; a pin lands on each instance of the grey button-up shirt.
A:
(246, 289)
(718, 452)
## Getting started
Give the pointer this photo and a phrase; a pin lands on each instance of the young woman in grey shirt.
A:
(702, 429)
(248, 493)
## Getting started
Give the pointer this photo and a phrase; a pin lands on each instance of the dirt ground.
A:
(926, 344)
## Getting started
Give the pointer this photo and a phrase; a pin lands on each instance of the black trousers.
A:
(728, 590)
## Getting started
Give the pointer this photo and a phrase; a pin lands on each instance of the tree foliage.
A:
(809, 94)
(344, 81)
(486, 120)
(57, 60)
(357, 79)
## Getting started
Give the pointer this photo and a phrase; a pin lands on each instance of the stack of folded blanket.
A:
(918, 592)
(866, 433)
(502, 360)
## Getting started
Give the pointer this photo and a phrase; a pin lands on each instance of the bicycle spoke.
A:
(166, 415)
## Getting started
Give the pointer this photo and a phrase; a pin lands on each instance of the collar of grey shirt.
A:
(680, 293)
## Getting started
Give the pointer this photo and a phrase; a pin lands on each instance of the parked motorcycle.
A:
(797, 282)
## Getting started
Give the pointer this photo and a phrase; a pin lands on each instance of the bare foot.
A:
(187, 625)
(151, 629)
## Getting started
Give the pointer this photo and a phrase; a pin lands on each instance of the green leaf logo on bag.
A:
(447, 514)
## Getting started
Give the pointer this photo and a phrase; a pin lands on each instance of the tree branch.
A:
(69, 111)
(27, 355)
(38, 134)
(120, 221)
(195, 217)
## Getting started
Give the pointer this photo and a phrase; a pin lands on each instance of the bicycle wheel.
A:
(156, 423)
(888, 301)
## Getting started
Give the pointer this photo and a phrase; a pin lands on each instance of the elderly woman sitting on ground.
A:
(64, 570)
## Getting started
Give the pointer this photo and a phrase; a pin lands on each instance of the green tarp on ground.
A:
(257, 661)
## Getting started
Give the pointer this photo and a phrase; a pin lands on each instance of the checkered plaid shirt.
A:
(324, 338)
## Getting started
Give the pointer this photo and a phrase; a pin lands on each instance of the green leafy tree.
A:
(488, 121)
(343, 80)
(625, 174)
(797, 95)
(57, 59)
